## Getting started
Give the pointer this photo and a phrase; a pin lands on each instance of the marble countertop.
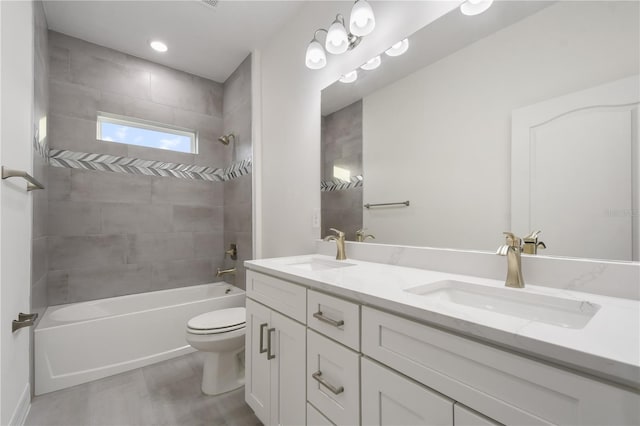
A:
(607, 347)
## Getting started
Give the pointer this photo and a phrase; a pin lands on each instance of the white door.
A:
(288, 385)
(257, 367)
(574, 172)
(16, 98)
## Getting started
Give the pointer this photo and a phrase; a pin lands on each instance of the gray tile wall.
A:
(237, 192)
(112, 234)
(39, 255)
(342, 147)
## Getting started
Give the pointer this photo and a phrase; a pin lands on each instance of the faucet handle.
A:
(512, 240)
(361, 235)
(533, 236)
(339, 233)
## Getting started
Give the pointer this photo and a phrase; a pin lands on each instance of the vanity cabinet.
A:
(502, 385)
(318, 359)
(391, 399)
(275, 348)
(464, 416)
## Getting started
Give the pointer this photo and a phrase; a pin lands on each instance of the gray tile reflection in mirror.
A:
(167, 393)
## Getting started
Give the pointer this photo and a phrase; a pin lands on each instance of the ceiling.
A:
(207, 41)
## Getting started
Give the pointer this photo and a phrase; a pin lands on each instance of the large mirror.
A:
(523, 118)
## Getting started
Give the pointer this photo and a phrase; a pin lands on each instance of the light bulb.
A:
(362, 21)
(315, 58)
(475, 7)
(158, 46)
(399, 48)
(337, 41)
(349, 77)
(372, 64)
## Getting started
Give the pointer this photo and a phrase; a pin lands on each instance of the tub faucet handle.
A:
(232, 252)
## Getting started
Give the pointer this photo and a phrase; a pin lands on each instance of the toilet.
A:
(220, 334)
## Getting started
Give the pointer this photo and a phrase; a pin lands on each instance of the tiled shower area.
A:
(119, 219)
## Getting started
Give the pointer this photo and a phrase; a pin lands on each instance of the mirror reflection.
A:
(523, 118)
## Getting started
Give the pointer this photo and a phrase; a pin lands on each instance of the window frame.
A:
(122, 120)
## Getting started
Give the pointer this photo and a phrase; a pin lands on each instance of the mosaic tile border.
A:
(340, 185)
(117, 164)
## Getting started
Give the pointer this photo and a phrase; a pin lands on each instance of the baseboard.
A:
(22, 409)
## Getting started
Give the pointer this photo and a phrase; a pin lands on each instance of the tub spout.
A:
(222, 272)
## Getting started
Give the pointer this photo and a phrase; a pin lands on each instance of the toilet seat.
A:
(218, 322)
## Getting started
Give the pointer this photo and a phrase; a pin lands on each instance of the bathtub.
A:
(81, 342)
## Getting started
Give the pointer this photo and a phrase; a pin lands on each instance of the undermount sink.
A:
(319, 264)
(514, 302)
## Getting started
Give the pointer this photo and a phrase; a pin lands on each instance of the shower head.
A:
(225, 139)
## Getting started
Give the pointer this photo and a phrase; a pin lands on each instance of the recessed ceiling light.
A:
(158, 46)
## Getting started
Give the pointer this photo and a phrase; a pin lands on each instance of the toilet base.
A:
(222, 372)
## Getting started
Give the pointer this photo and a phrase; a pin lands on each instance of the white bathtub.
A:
(85, 341)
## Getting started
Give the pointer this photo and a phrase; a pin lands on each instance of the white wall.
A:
(287, 125)
(449, 124)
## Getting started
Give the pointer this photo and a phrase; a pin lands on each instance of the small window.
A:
(132, 131)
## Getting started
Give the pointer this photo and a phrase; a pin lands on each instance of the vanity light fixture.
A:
(349, 77)
(158, 46)
(475, 7)
(399, 48)
(337, 39)
(371, 64)
(362, 20)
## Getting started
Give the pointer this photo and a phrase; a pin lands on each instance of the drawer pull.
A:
(335, 390)
(321, 317)
(269, 356)
(262, 348)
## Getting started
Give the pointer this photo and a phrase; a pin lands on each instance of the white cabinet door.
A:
(333, 379)
(257, 374)
(391, 399)
(464, 416)
(315, 418)
(288, 345)
(16, 103)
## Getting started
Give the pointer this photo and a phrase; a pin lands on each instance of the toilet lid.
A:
(221, 320)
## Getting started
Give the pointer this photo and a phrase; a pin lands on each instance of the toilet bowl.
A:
(220, 335)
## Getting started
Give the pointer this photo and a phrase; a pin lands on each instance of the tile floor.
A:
(167, 393)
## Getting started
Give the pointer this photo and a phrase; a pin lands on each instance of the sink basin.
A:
(518, 303)
(319, 264)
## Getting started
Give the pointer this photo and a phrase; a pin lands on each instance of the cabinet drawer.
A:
(315, 417)
(464, 416)
(333, 379)
(504, 386)
(391, 399)
(280, 295)
(335, 318)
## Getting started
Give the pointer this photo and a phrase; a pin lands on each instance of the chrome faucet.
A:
(512, 250)
(361, 236)
(339, 239)
(531, 243)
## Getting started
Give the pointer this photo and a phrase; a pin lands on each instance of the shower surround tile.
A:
(341, 202)
(116, 229)
(237, 191)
